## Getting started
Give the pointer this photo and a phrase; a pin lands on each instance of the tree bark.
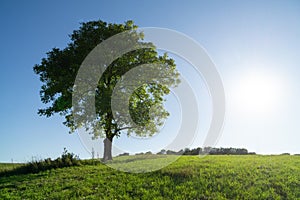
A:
(109, 138)
(107, 149)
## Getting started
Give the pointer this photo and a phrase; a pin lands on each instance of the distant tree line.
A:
(200, 151)
(208, 150)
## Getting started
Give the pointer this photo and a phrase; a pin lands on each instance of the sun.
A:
(257, 92)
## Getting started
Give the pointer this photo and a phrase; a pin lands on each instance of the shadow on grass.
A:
(11, 179)
(128, 159)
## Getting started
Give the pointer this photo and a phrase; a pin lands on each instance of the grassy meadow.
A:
(190, 177)
(8, 166)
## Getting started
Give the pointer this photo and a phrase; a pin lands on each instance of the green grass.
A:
(8, 166)
(190, 177)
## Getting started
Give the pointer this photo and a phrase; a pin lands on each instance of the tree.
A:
(58, 73)
(162, 152)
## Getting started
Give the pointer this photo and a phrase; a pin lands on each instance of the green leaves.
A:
(59, 69)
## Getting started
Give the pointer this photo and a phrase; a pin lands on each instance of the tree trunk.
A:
(107, 149)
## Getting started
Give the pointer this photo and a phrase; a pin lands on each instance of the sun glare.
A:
(258, 93)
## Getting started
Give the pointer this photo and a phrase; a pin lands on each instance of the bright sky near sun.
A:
(255, 46)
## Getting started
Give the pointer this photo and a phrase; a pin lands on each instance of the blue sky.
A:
(254, 44)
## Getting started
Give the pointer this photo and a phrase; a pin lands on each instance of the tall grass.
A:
(67, 159)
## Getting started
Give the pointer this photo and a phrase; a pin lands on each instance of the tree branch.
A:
(126, 127)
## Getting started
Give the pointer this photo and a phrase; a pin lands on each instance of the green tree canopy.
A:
(59, 69)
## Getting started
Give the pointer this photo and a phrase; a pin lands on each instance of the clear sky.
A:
(254, 44)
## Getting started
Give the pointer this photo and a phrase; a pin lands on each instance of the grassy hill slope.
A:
(190, 177)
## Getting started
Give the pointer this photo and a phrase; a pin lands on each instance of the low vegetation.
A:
(190, 177)
(201, 151)
(67, 159)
